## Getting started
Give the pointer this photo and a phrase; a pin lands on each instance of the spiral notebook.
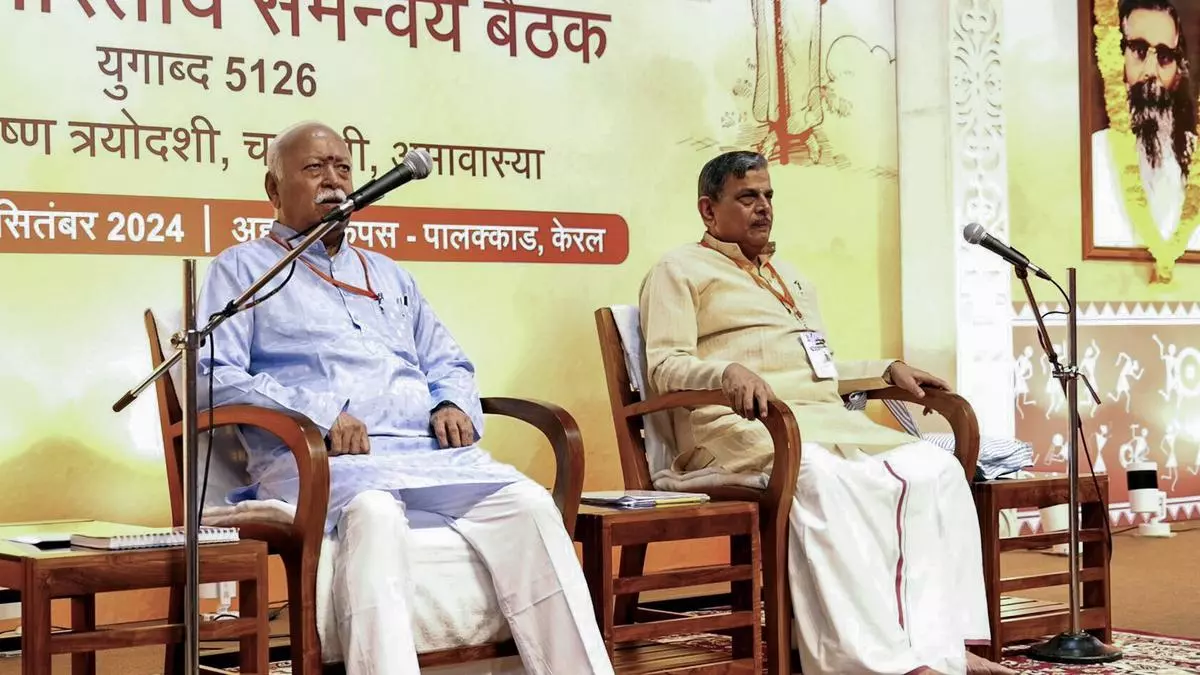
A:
(154, 538)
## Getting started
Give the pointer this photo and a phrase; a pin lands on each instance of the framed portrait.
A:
(1140, 168)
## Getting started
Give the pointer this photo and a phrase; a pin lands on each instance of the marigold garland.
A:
(1110, 59)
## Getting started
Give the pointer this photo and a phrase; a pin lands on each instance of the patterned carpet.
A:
(1143, 655)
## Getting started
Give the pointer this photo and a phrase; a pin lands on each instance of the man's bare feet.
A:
(977, 665)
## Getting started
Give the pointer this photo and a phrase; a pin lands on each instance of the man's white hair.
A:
(274, 156)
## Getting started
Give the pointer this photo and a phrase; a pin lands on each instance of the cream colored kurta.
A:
(701, 312)
(884, 556)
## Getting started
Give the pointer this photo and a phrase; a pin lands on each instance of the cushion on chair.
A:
(454, 604)
(250, 511)
(998, 456)
(658, 435)
(227, 461)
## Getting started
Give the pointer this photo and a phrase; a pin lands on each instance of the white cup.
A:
(1055, 518)
(1144, 500)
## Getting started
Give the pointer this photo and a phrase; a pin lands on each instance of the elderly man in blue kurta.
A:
(350, 342)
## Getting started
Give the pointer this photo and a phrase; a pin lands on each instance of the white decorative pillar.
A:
(957, 304)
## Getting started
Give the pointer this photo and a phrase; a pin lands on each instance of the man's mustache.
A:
(1151, 105)
(327, 195)
(1149, 95)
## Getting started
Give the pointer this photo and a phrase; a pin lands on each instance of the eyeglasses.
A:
(1141, 48)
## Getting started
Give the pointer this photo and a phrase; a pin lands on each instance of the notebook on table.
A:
(642, 499)
(161, 537)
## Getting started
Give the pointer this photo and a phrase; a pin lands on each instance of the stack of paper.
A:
(642, 499)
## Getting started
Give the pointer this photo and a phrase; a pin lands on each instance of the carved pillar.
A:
(956, 297)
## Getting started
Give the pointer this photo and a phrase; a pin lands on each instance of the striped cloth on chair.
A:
(998, 456)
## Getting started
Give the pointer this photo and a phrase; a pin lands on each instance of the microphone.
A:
(975, 234)
(416, 165)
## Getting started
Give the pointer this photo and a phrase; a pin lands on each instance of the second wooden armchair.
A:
(630, 405)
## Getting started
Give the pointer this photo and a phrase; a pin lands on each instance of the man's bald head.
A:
(287, 138)
(308, 174)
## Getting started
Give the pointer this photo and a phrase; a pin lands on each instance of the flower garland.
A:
(1110, 58)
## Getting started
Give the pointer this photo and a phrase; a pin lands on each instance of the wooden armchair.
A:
(299, 541)
(629, 406)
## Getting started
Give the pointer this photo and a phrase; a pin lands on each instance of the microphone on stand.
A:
(975, 234)
(416, 165)
(1073, 645)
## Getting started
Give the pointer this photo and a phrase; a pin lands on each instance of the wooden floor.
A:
(1156, 588)
(1155, 582)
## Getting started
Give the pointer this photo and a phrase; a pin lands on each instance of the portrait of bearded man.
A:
(1162, 110)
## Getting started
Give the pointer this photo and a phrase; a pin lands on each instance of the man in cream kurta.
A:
(884, 554)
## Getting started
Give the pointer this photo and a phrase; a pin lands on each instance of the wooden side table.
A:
(41, 575)
(1012, 618)
(602, 529)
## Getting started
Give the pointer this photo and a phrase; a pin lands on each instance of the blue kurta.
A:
(318, 350)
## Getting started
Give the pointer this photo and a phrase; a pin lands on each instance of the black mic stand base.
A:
(1079, 648)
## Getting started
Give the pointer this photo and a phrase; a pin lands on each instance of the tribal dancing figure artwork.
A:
(1144, 363)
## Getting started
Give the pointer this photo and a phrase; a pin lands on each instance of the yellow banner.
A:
(566, 136)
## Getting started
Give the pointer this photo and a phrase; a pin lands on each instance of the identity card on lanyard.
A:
(820, 357)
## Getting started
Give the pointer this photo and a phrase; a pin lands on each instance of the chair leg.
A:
(633, 564)
(989, 534)
(173, 656)
(1097, 594)
(776, 601)
(302, 615)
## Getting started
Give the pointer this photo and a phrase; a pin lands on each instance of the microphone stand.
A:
(187, 344)
(1075, 645)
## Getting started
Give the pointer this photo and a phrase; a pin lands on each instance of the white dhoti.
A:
(517, 532)
(885, 563)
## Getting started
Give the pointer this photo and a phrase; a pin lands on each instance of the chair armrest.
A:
(863, 384)
(780, 423)
(955, 410)
(561, 430)
(307, 445)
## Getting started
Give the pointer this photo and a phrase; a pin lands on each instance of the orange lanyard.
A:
(367, 292)
(785, 297)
